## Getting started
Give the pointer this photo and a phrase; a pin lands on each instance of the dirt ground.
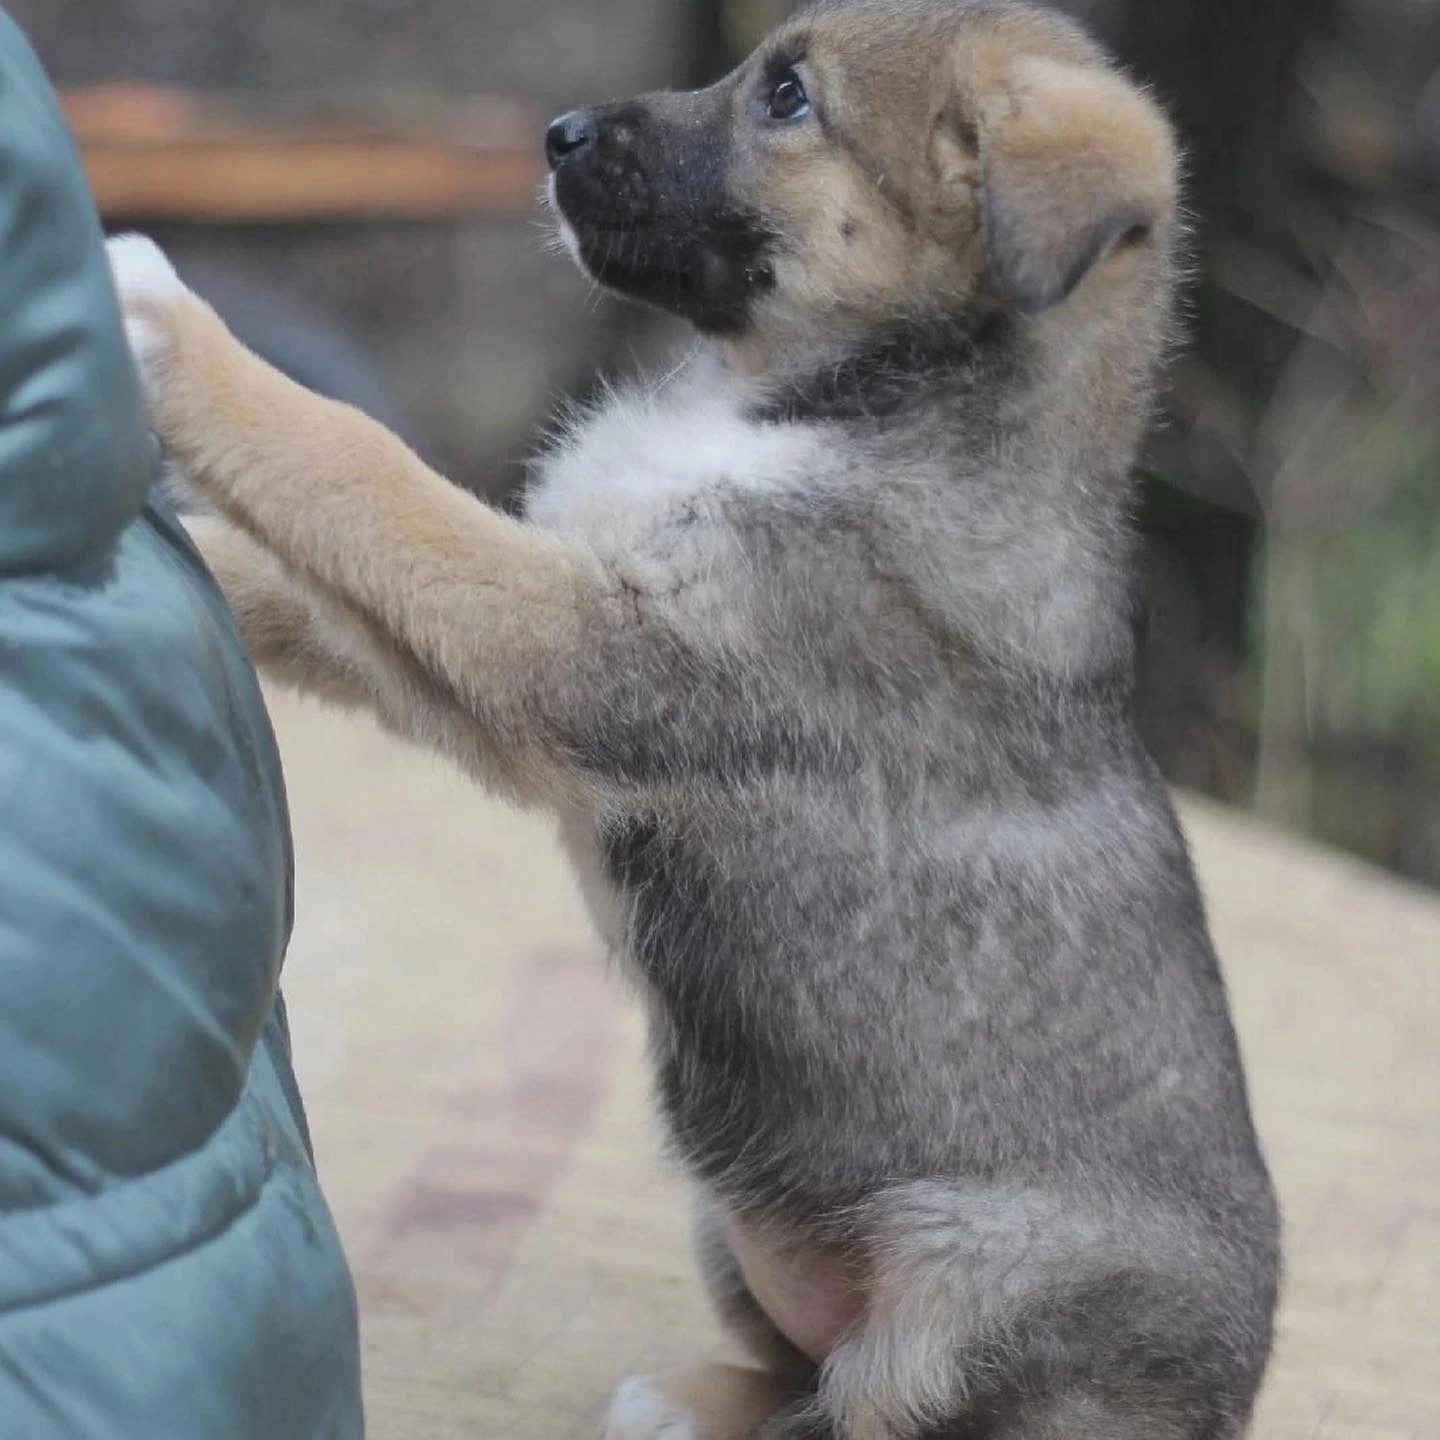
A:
(476, 1091)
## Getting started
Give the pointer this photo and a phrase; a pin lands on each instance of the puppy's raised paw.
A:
(149, 291)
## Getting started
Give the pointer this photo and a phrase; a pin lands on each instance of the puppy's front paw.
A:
(150, 291)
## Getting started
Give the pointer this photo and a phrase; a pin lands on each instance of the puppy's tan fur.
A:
(829, 624)
(476, 612)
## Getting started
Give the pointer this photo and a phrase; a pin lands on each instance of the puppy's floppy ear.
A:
(1075, 161)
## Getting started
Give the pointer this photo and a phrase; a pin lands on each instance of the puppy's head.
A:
(874, 162)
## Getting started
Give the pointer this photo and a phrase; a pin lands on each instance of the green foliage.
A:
(1379, 615)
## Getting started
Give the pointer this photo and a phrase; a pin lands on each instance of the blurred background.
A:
(352, 182)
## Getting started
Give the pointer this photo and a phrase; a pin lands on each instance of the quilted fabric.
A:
(168, 1267)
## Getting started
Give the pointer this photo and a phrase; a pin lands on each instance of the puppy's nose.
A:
(568, 134)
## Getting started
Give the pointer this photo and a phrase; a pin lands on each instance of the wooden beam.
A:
(157, 154)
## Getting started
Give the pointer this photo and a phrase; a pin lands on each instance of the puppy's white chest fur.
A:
(638, 456)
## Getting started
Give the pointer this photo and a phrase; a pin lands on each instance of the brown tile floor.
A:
(475, 1087)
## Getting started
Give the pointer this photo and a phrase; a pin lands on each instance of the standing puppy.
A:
(820, 649)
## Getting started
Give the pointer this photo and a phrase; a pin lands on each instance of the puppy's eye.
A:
(788, 100)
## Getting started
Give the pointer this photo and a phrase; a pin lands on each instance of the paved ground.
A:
(475, 1087)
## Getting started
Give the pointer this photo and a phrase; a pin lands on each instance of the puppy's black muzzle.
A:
(611, 166)
(644, 186)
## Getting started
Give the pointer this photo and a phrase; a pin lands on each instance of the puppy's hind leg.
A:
(1029, 1381)
(1041, 1314)
(720, 1402)
(737, 1307)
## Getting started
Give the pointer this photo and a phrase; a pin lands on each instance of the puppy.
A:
(820, 651)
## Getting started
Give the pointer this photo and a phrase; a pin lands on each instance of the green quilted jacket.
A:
(168, 1267)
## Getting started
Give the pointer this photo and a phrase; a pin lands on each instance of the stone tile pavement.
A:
(476, 1091)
